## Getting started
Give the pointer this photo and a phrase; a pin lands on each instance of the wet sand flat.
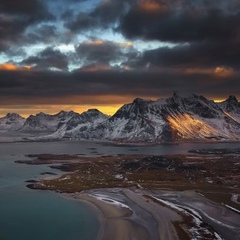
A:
(163, 215)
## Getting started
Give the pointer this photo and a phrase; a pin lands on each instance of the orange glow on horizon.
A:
(13, 67)
(54, 109)
(107, 104)
(151, 6)
(219, 100)
(8, 67)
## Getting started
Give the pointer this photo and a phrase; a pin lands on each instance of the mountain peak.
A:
(61, 112)
(138, 100)
(232, 98)
(41, 114)
(13, 115)
(181, 94)
(93, 110)
(230, 105)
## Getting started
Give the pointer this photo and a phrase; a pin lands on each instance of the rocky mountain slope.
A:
(180, 117)
(11, 122)
(42, 122)
(80, 125)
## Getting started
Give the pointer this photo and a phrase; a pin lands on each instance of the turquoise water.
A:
(44, 216)
(39, 215)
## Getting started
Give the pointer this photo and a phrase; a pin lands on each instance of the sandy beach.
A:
(167, 215)
(115, 220)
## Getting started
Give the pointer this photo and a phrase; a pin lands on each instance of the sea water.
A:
(27, 214)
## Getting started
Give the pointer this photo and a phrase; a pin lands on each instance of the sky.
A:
(80, 54)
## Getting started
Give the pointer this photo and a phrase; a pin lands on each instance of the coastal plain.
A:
(180, 196)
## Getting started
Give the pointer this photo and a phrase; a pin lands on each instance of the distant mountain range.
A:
(180, 117)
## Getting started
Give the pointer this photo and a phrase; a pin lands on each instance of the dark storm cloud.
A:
(103, 52)
(33, 10)
(204, 59)
(48, 86)
(201, 55)
(182, 21)
(9, 29)
(42, 34)
(47, 59)
(206, 33)
(106, 14)
(17, 16)
(82, 22)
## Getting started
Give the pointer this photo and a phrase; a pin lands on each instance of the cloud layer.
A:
(66, 51)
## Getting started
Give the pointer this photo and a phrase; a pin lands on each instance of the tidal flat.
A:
(181, 196)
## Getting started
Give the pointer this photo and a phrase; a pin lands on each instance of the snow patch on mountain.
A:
(79, 126)
(11, 122)
(42, 122)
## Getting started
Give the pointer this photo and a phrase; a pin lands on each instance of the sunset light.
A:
(119, 119)
(81, 52)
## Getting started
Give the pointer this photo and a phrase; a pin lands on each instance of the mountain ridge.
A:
(180, 117)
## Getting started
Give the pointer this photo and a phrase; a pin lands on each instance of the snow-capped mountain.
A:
(42, 122)
(80, 125)
(11, 122)
(132, 122)
(180, 117)
(196, 117)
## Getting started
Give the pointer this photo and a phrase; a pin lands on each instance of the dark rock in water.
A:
(31, 181)
(64, 168)
(31, 186)
(48, 173)
(36, 186)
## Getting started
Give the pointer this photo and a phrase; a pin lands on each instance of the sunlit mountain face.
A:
(182, 117)
(78, 54)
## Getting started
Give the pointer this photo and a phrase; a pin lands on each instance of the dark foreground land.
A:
(196, 195)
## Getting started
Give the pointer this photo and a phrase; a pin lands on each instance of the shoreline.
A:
(80, 197)
(22, 137)
(115, 222)
(125, 213)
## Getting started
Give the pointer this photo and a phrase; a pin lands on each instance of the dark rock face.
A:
(196, 104)
(231, 105)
